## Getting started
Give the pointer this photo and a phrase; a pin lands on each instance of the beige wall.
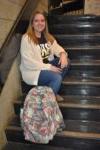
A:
(43, 5)
(36, 5)
(92, 7)
(10, 92)
(9, 10)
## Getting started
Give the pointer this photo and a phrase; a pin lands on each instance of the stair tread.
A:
(87, 48)
(85, 62)
(81, 80)
(73, 101)
(85, 35)
(74, 128)
(82, 47)
(81, 24)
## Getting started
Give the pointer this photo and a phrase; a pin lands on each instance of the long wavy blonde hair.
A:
(30, 31)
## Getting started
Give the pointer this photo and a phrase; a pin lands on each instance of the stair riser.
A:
(84, 54)
(81, 114)
(73, 19)
(74, 29)
(79, 89)
(73, 143)
(78, 41)
(84, 71)
(77, 144)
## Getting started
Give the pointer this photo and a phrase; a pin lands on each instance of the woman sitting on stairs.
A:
(43, 61)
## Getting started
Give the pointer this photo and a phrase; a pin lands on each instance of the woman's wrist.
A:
(64, 53)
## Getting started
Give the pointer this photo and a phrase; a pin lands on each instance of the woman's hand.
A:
(63, 61)
(55, 69)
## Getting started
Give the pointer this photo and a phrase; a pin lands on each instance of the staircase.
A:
(66, 7)
(80, 36)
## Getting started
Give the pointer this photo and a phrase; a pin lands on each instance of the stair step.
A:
(78, 28)
(74, 129)
(77, 40)
(83, 54)
(80, 89)
(71, 143)
(26, 146)
(70, 101)
(84, 71)
(75, 109)
(78, 36)
(84, 68)
(82, 81)
(76, 19)
(71, 125)
(89, 102)
(68, 144)
(83, 48)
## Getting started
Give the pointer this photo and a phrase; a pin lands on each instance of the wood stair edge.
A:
(80, 135)
(84, 106)
(81, 82)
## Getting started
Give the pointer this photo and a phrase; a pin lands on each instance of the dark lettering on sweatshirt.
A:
(45, 49)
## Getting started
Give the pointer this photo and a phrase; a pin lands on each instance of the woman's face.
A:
(38, 23)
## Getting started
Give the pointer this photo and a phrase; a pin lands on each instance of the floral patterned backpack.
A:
(40, 117)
